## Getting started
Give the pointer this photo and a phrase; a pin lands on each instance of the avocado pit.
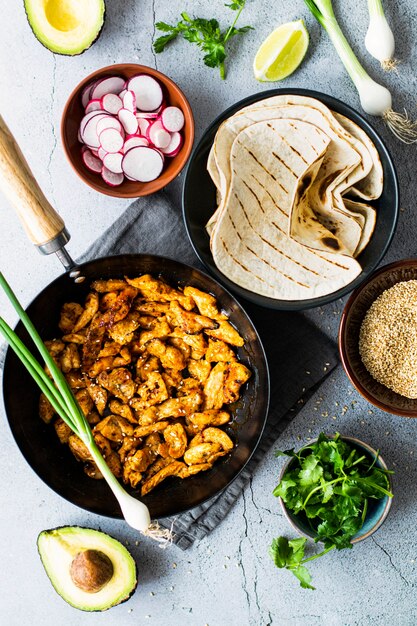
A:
(91, 570)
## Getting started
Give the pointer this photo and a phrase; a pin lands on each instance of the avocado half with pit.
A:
(66, 26)
(89, 569)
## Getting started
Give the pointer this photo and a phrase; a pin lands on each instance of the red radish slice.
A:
(93, 105)
(109, 122)
(89, 131)
(80, 139)
(101, 153)
(158, 135)
(113, 162)
(122, 93)
(112, 179)
(135, 141)
(172, 119)
(111, 84)
(129, 101)
(129, 121)
(92, 162)
(174, 146)
(88, 117)
(142, 164)
(147, 90)
(111, 140)
(85, 94)
(111, 103)
(143, 126)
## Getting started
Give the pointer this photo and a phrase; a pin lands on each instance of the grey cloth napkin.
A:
(299, 355)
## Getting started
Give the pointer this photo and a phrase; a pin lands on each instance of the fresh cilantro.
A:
(328, 485)
(206, 34)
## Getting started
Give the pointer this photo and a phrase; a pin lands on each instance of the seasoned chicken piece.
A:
(108, 300)
(213, 387)
(180, 407)
(79, 449)
(147, 416)
(124, 410)
(170, 357)
(84, 400)
(212, 417)
(179, 343)
(93, 418)
(236, 376)
(70, 312)
(217, 436)
(147, 322)
(115, 428)
(172, 379)
(155, 309)
(46, 410)
(75, 380)
(122, 332)
(110, 456)
(156, 290)
(200, 370)
(219, 351)
(92, 471)
(152, 364)
(101, 365)
(135, 465)
(197, 343)
(119, 382)
(124, 358)
(203, 453)
(206, 303)
(152, 391)
(159, 464)
(54, 347)
(75, 337)
(160, 330)
(226, 333)
(143, 431)
(173, 469)
(129, 445)
(189, 322)
(110, 348)
(176, 438)
(90, 309)
(152, 442)
(112, 284)
(70, 358)
(189, 386)
(62, 430)
(186, 472)
(97, 394)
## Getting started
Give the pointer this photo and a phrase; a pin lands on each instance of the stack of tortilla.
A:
(293, 180)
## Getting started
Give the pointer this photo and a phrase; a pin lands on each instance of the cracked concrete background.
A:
(228, 577)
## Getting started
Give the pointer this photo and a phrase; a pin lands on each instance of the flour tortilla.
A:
(251, 243)
(369, 214)
(340, 159)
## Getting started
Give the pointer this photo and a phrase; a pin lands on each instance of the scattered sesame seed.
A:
(151, 593)
(174, 566)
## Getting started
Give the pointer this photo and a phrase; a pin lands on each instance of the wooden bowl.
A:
(74, 111)
(350, 323)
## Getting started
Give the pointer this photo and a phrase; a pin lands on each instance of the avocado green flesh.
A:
(66, 26)
(58, 547)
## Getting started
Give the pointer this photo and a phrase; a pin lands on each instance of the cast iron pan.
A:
(53, 462)
(199, 203)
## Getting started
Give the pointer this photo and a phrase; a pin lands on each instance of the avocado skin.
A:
(82, 528)
(67, 54)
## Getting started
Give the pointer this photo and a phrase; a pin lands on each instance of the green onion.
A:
(66, 406)
(375, 99)
(379, 40)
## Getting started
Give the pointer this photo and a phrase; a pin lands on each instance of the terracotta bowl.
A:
(73, 112)
(350, 323)
(377, 509)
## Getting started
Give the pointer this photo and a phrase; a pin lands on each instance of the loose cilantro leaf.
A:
(206, 34)
(329, 485)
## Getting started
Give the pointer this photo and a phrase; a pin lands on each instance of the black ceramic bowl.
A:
(55, 464)
(199, 203)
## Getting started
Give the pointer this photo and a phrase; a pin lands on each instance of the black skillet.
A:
(53, 462)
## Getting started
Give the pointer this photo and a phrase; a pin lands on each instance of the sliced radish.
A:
(112, 103)
(92, 162)
(80, 139)
(89, 131)
(113, 162)
(142, 164)
(109, 122)
(129, 121)
(147, 90)
(111, 84)
(93, 105)
(122, 93)
(157, 135)
(174, 146)
(101, 153)
(143, 126)
(112, 179)
(129, 101)
(88, 117)
(142, 115)
(133, 142)
(111, 140)
(172, 119)
(85, 94)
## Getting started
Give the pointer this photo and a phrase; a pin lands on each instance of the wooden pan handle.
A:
(41, 222)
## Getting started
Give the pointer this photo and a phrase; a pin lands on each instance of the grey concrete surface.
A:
(228, 578)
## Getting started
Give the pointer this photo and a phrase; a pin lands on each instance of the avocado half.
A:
(66, 26)
(113, 571)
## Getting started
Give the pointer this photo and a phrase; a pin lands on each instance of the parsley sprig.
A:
(206, 34)
(328, 486)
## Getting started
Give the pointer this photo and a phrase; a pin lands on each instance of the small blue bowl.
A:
(377, 509)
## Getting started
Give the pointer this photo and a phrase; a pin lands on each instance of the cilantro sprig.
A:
(328, 486)
(206, 34)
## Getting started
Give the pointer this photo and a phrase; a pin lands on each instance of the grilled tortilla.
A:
(251, 243)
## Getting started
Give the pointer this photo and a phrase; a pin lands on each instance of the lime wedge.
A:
(281, 52)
